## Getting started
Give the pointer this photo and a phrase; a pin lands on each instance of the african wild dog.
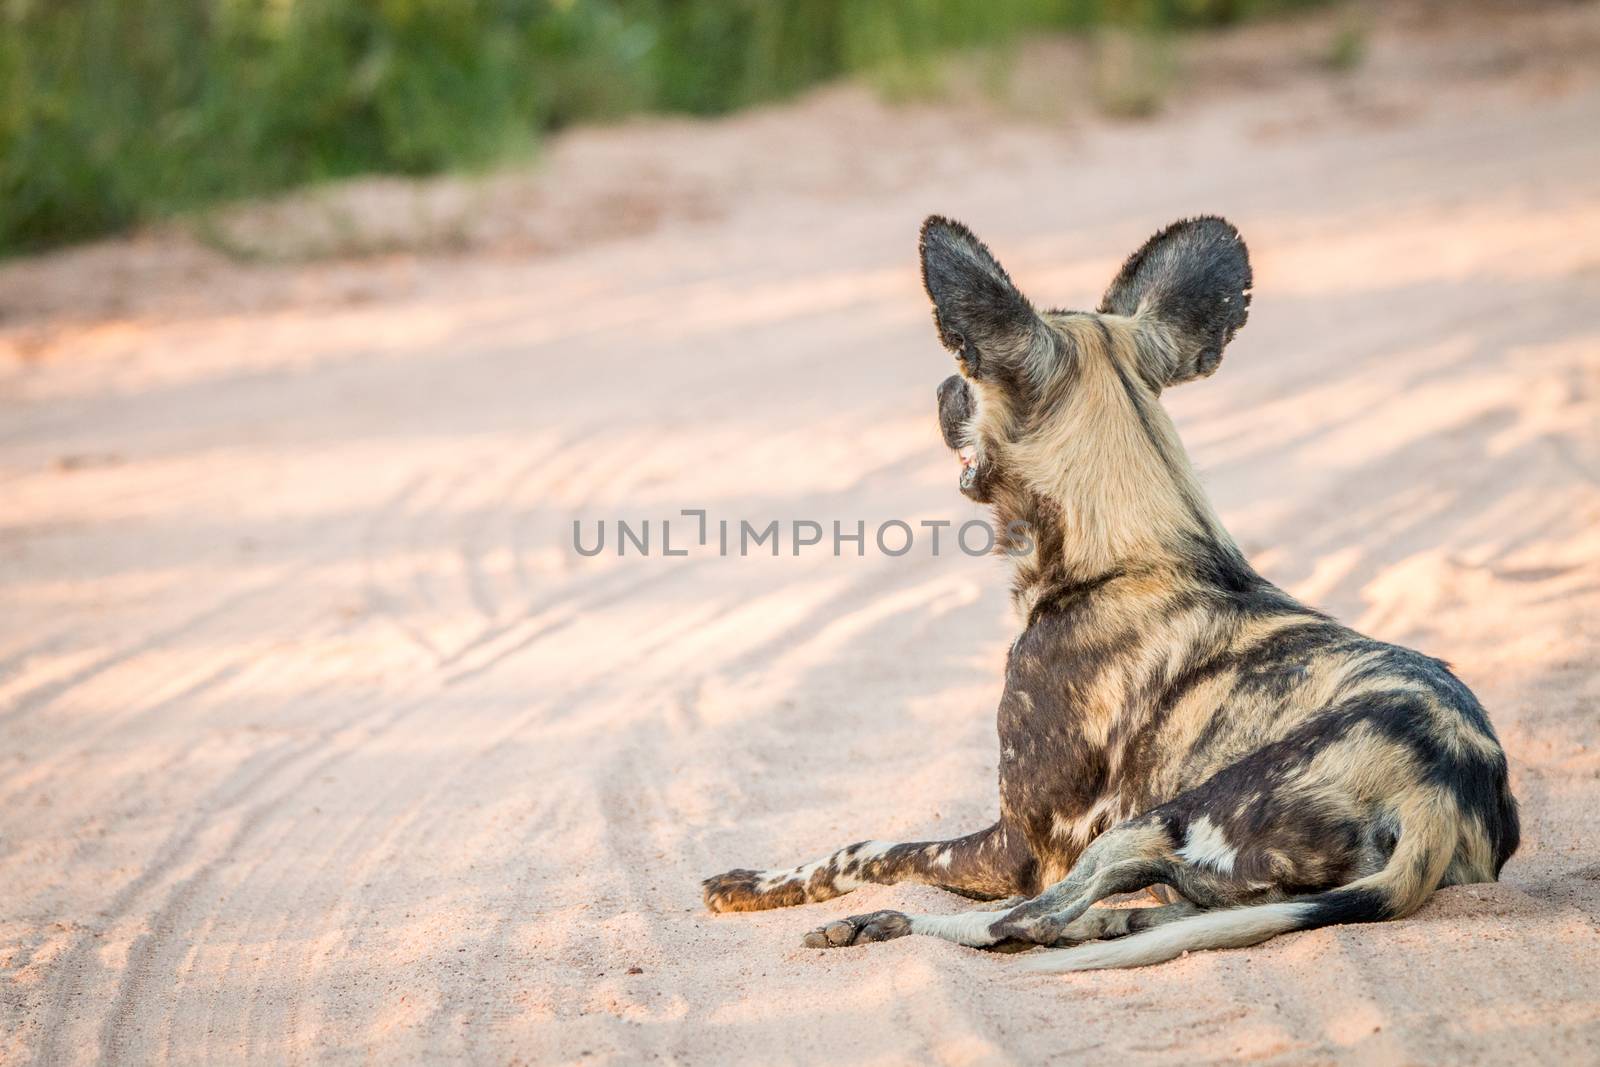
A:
(1169, 717)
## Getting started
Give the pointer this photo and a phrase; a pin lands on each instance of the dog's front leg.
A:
(1129, 857)
(986, 865)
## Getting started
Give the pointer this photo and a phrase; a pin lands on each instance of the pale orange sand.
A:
(318, 742)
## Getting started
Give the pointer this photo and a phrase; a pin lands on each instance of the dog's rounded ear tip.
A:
(931, 227)
(942, 226)
(1202, 223)
(1230, 230)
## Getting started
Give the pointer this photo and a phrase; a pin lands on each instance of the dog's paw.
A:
(735, 890)
(742, 890)
(859, 930)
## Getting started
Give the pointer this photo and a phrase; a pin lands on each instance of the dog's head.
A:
(1029, 378)
(1060, 409)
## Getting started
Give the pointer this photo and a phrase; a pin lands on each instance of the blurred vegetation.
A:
(116, 112)
(1349, 45)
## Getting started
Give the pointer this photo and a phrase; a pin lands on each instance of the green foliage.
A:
(118, 111)
(1348, 47)
(1133, 68)
(115, 112)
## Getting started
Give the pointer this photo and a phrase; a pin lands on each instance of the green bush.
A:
(116, 112)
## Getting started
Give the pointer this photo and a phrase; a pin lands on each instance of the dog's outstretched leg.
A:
(1122, 860)
(986, 865)
(1132, 856)
(978, 929)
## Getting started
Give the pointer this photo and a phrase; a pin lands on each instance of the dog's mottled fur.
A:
(1170, 717)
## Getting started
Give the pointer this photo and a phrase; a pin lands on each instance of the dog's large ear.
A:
(979, 314)
(1190, 284)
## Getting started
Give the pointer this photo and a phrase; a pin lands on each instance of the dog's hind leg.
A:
(987, 865)
(1116, 862)
(1103, 924)
(1129, 857)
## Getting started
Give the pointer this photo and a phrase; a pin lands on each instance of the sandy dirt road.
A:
(319, 742)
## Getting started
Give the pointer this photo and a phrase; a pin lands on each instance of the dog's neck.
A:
(1134, 507)
(1047, 564)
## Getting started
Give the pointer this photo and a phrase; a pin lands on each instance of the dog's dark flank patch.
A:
(1170, 717)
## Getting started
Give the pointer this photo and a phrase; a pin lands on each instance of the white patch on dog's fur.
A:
(842, 882)
(1204, 846)
(1228, 928)
(969, 928)
(1105, 812)
(845, 883)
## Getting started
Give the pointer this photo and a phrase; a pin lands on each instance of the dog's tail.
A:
(1428, 832)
